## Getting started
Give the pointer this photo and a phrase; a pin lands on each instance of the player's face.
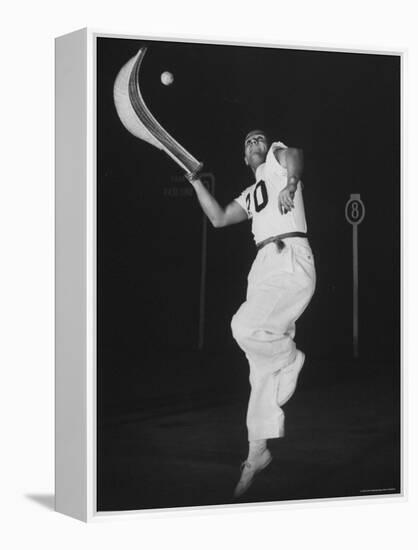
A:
(256, 147)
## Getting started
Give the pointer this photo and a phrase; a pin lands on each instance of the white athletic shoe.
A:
(288, 378)
(250, 469)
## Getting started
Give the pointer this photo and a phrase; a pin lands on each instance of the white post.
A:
(209, 180)
(354, 213)
(355, 291)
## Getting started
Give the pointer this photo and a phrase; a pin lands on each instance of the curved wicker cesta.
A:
(138, 120)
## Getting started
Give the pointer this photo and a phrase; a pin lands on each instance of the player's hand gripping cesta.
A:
(191, 177)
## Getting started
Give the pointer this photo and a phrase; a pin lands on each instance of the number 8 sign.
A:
(354, 213)
(355, 210)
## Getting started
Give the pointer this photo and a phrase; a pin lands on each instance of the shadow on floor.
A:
(47, 501)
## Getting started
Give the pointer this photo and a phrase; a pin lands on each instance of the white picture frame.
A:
(76, 275)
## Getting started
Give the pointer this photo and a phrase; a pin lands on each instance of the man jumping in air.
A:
(281, 283)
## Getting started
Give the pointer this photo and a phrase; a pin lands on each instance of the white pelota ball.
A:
(167, 78)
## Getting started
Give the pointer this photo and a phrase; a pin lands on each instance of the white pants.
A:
(280, 286)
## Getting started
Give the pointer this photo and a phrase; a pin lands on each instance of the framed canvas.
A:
(179, 379)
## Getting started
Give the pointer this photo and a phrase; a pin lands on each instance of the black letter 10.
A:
(260, 197)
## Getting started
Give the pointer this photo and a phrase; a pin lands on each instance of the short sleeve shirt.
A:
(261, 200)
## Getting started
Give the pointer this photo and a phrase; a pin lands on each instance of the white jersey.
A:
(261, 200)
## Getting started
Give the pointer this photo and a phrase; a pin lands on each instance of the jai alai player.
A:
(281, 283)
(282, 279)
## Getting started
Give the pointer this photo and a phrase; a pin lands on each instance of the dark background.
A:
(343, 109)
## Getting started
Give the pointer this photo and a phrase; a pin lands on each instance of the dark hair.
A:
(257, 131)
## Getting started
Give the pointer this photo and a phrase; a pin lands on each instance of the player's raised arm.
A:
(291, 159)
(219, 216)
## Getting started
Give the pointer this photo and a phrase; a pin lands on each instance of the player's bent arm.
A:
(219, 217)
(291, 159)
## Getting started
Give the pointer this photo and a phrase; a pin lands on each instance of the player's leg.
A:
(264, 327)
(287, 379)
(288, 376)
(270, 350)
(267, 351)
